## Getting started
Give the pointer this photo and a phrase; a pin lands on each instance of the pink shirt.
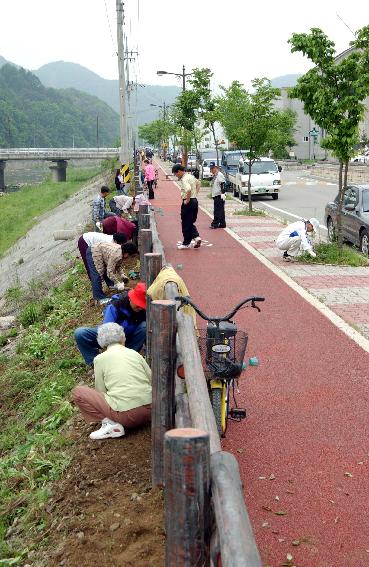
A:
(149, 172)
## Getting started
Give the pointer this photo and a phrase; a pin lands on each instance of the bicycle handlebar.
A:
(185, 300)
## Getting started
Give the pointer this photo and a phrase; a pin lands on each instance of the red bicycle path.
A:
(303, 450)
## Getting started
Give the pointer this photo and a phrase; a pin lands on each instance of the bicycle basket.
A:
(222, 355)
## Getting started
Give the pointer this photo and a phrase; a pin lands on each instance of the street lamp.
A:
(164, 107)
(183, 75)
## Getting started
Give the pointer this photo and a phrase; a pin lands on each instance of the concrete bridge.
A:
(57, 156)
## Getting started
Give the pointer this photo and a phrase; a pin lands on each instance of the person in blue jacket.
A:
(129, 311)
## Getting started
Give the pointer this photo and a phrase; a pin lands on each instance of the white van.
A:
(265, 179)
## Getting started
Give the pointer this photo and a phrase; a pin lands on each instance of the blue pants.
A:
(96, 283)
(86, 339)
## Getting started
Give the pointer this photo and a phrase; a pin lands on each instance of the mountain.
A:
(285, 81)
(33, 115)
(62, 74)
(3, 61)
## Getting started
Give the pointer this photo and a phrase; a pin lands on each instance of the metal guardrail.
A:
(57, 153)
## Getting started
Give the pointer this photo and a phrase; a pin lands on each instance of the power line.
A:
(111, 35)
(348, 27)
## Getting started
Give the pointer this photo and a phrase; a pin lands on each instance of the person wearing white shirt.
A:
(295, 239)
(218, 195)
(88, 239)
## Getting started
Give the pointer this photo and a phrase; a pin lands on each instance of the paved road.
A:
(301, 196)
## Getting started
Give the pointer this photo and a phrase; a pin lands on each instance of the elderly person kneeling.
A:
(122, 394)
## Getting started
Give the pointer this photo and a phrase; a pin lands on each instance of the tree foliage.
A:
(333, 93)
(252, 123)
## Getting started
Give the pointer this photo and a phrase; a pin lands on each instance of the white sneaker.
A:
(108, 429)
(183, 246)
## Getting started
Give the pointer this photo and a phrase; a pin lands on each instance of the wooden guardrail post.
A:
(153, 263)
(145, 245)
(237, 543)
(187, 498)
(145, 220)
(142, 210)
(163, 356)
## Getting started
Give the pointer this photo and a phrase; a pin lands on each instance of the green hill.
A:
(62, 74)
(33, 115)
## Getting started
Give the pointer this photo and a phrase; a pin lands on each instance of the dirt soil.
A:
(104, 512)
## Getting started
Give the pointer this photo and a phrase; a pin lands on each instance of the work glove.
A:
(312, 253)
(223, 196)
(99, 225)
(119, 286)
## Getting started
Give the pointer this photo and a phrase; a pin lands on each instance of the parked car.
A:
(203, 160)
(204, 167)
(362, 158)
(355, 217)
(191, 161)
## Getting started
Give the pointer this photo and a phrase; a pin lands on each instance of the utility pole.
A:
(123, 154)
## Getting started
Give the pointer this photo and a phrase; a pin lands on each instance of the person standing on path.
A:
(128, 310)
(295, 239)
(218, 195)
(189, 207)
(150, 178)
(98, 208)
(89, 238)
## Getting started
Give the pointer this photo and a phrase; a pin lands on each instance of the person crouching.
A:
(121, 398)
(295, 239)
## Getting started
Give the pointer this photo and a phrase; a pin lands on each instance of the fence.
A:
(205, 513)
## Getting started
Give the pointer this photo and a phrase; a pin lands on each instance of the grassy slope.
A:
(34, 385)
(19, 210)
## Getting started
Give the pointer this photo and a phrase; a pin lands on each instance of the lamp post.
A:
(183, 75)
(165, 145)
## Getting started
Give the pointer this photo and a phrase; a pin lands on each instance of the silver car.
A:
(355, 217)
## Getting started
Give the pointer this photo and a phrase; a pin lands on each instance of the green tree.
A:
(250, 120)
(333, 93)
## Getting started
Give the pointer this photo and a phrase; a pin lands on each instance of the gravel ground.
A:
(36, 254)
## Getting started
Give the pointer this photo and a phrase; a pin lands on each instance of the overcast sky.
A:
(237, 39)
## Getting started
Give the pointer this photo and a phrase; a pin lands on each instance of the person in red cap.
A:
(128, 310)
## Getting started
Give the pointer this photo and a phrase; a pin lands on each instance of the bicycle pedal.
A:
(238, 413)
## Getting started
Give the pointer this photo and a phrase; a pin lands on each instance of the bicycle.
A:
(222, 347)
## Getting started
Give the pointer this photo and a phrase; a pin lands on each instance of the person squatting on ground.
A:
(121, 204)
(150, 178)
(105, 262)
(98, 208)
(88, 239)
(295, 239)
(189, 207)
(127, 310)
(218, 195)
(121, 398)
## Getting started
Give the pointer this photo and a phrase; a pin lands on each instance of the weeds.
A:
(330, 253)
(35, 386)
(247, 213)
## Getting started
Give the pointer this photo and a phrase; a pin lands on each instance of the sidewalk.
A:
(303, 450)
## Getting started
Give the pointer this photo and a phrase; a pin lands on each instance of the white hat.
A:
(315, 224)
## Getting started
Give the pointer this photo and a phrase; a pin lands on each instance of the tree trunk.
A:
(249, 186)
(215, 141)
(341, 196)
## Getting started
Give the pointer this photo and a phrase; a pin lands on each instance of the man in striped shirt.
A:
(98, 208)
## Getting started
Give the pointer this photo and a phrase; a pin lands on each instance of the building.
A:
(308, 134)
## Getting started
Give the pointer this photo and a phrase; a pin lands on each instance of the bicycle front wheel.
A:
(218, 398)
